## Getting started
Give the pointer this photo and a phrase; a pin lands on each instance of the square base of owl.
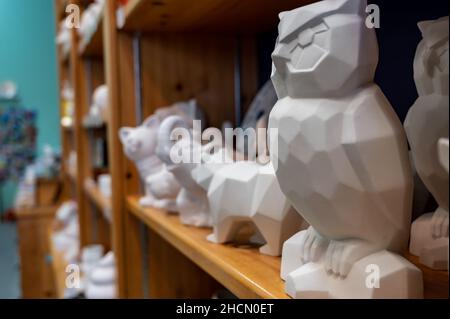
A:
(382, 275)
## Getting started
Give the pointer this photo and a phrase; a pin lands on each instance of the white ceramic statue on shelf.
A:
(342, 158)
(101, 281)
(161, 187)
(427, 122)
(140, 143)
(97, 112)
(247, 192)
(191, 202)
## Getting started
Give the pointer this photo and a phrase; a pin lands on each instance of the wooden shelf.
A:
(243, 270)
(246, 16)
(96, 196)
(94, 48)
(58, 267)
(72, 176)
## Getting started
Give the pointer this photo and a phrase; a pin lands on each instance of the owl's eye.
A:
(306, 37)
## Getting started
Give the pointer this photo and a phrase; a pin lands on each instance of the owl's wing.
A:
(376, 146)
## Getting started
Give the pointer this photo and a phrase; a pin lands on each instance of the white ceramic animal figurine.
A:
(247, 192)
(161, 187)
(426, 123)
(342, 158)
(191, 202)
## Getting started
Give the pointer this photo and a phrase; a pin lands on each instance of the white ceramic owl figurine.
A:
(191, 202)
(426, 123)
(342, 158)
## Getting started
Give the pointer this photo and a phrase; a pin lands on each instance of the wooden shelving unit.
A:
(170, 51)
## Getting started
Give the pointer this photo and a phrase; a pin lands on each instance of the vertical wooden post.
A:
(115, 149)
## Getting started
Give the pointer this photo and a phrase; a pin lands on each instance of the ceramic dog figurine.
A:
(342, 158)
(426, 123)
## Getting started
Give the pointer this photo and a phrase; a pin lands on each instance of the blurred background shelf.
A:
(94, 48)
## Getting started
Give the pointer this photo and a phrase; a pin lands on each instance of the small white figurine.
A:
(101, 282)
(191, 202)
(342, 158)
(161, 187)
(426, 123)
(97, 112)
(247, 192)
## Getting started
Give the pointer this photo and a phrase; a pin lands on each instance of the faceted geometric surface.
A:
(245, 192)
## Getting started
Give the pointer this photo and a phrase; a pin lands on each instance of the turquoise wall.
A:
(28, 57)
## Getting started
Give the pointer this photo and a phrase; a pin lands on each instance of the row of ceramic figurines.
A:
(338, 163)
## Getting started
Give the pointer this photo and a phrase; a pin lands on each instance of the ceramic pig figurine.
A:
(341, 158)
(426, 123)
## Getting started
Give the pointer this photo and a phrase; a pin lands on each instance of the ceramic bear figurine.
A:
(191, 202)
(247, 192)
(426, 123)
(341, 158)
(161, 187)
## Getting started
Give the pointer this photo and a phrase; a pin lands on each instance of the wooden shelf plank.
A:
(96, 196)
(58, 266)
(72, 176)
(241, 269)
(246, 16)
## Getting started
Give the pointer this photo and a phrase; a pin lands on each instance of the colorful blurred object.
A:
(17, 141)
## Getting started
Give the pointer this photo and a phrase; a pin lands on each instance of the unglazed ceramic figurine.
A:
(161, 187)
(101, 283)
(342, 158)
(96, 115)
(191, 202)
(247, 192)
(426, 123)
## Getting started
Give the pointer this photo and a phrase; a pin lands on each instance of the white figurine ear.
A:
(423, 26)
(151, 122)
(282, 14)
(124, 132)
